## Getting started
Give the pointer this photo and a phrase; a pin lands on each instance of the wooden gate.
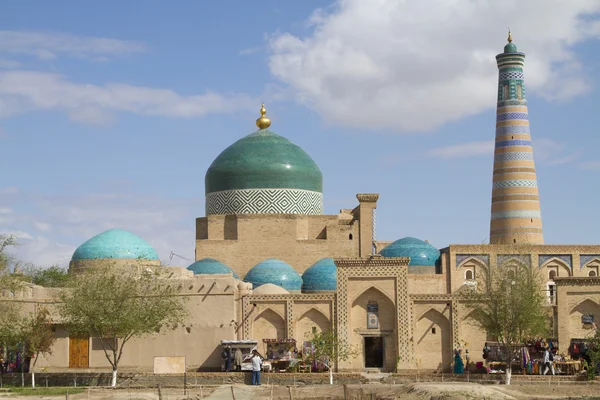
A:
(79, 352)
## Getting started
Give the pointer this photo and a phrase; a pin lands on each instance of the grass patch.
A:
(56, 391)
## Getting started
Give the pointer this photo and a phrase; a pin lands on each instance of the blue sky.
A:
(110, 113)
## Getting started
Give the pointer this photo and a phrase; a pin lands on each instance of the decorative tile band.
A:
(506, 143)
(504, 75)
(584, 259)
(461, 258)
(566, 258)
(511, 116)
(514, 156)
(512, 130)
(517, 214)
(504, 259)
(515, 183)
(265, 201)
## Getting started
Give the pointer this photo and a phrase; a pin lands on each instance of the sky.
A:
(111, 112)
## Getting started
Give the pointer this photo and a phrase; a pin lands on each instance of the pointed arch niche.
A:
(312, 319)
(587, 307)
(268, 325)
(385, 332)
(433, 340)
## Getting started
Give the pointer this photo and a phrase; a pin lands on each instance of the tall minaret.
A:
(516, 217)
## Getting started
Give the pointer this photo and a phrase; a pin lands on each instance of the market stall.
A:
(246, 346)
(528, 358)
(282, 354)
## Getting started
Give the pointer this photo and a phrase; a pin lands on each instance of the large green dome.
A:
(264, 173)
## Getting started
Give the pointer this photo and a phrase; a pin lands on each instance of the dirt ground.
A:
(413, 391)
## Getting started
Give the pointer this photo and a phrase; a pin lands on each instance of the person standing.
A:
(227, 356)
(547, 362)
(238, 359)
(486, 353)
(459, 365)
(256, 367)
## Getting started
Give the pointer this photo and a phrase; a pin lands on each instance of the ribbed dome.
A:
(117, 244)
(211, 266)
(420, 252)
(322, 275)
(264, 173)
(276, 272)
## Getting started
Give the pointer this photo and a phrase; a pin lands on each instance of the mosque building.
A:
(271, 265)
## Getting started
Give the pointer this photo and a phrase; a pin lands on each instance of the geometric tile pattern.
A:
(264, 201)
(484, 258)
(511, 116)
(586, 258)
(515, 183)
(517, 214)
(567, 258)
(507, 143)
(514, 156)
(511, 75)
(503, 259)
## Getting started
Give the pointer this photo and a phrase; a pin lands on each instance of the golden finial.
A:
(263, 122)
(509, 36)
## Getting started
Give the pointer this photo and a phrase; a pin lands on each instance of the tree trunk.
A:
(114, 378)
(330, 376)
(32, 379)
(508, 373)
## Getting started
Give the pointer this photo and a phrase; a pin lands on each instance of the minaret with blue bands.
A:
(516, 216)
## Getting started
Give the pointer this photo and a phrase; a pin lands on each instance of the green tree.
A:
(330, 350)
(52, 277)
(116, 305)
(510, 305)
(34, 333)
(9, 309)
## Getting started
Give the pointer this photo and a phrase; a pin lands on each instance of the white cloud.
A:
(463, 150)
(415, 65)
(24, 91)
(67, 222)
(48, 45)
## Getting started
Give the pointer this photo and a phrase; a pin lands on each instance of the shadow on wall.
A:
(213, 362)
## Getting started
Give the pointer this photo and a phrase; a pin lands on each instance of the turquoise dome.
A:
(115, 243)
(211, 266)
(276, 272)
(510, 48)
(322, 275)
(263, 160)
(420, 252)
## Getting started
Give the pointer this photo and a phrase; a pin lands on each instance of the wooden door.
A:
(79, 352)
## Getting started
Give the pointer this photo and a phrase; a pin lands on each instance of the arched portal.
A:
(373, 326)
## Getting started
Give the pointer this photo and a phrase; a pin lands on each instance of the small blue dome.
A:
(115, 243)
(420, 252)
(211, 266)
(276, 272)
(322, 275)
